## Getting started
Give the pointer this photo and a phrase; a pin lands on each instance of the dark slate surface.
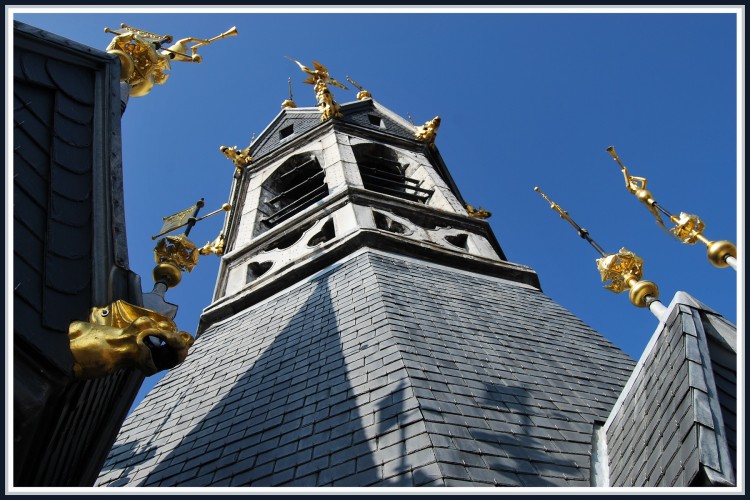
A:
(66, 137)
(304, 119)
(382, 371)
(669, 429)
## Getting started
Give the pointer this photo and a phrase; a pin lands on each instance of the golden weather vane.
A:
(622, 270)
(175, 254)
(688, 227)
(144, 60)
(320, 79)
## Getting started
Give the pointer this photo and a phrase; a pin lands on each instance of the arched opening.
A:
(382, 172)
(295, 185)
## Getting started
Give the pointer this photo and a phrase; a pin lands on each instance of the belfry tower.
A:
(367, 330)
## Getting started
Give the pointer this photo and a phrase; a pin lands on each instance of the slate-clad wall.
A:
(69, 254)
(382, 371)
(669, 428)
(724, 366)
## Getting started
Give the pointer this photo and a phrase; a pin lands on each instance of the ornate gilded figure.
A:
(215, 247)
(688, 228)
(619, 268)
(178, 251)
(637, 186)
(143, 59)
(122, 335)
(241, 158)
(428, 131)
(623, 270)
(320, 78)
(478, 213)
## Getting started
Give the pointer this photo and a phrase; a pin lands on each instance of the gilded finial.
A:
(144, 61)
(289, 103)
(478, 213)
(362, 94)
(688, 228)
(428, 131)
(320, 79)
(622, 270)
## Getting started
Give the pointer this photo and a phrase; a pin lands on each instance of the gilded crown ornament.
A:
(622, 270)
(688, 228)
(177, 254)
(144, 61)
(320, 79)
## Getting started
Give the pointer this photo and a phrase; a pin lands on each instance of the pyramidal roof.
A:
(366, 113)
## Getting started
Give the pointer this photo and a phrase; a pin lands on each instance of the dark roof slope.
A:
(675, 424)
(381, 371)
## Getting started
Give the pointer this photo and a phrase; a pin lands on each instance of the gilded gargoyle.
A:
(122, 335)
(428, 131)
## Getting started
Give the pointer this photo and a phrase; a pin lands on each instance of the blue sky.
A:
(526, 99)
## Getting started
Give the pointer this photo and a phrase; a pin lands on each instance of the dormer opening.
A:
(295, 185)
(376, 120)
(286, 131)
(382, 172)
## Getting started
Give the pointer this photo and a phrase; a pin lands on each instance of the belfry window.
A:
(296, 184)
(382, 172)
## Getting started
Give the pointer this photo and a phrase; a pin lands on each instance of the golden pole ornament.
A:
(622, 270)
(688, 227)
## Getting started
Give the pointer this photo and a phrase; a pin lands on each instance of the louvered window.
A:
(297, 184)
(382, 172)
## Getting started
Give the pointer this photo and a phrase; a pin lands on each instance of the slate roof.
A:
(380, 371)
(69, 254)
(675, 424)
(305, 119)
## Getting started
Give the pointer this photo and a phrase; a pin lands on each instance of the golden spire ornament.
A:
(144, 61)
(362, 94)
(289, 103)
(688, 227)
(622, 270)
(320, 79)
